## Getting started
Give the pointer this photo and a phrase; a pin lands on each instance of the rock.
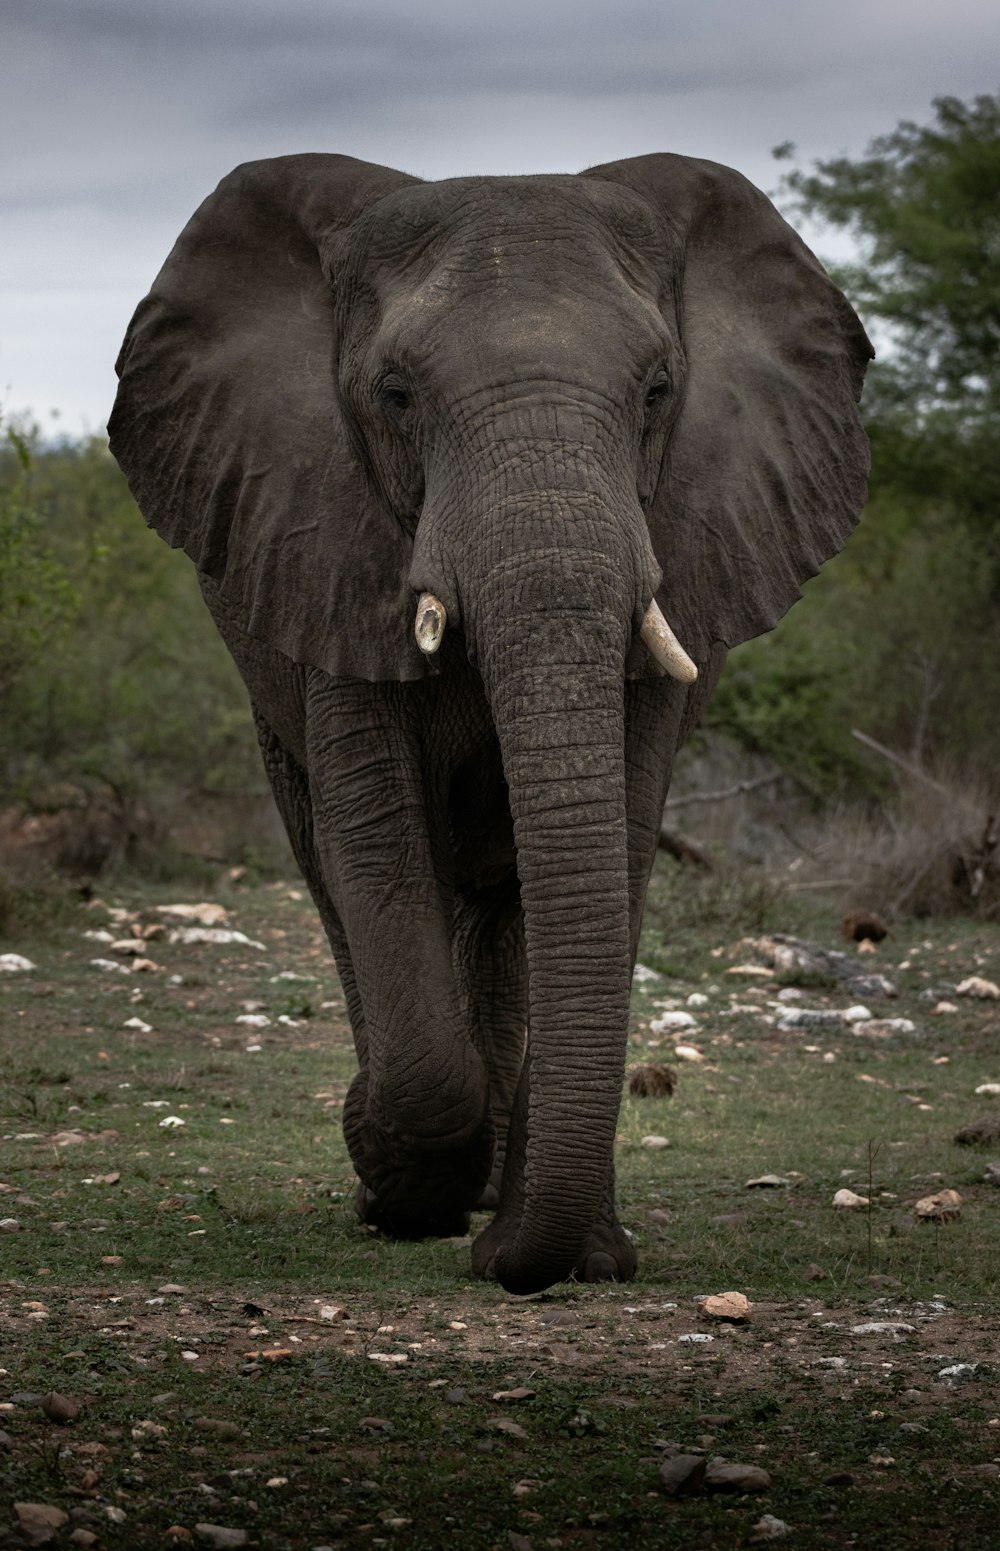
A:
(808, 1018)
(767, 1182)
(889, 1283)
(6, 1442)
(688, 1053)
(897, 1328)
(856, 1014)
(992, 1176)
(16, 964)
(683, 1474)
(885, 1028)
(660, 1216)
(172, 1287)
(376, 1424)
(721, 1476)
(846, 1199)
(990, 1088)
(941, 1009)
(715, 1419)
(82, 1537)
(957, 1373)
(503, 1424)
(672, 1020)
(220, 1537)
(731, 1219)
(943, 1206)
(560, 1317)
(731, 1307)
(696, 999)
(695, 1338)
(60, 1408)
(332, 1311)
(976, 986)
(254, 1020)
(840, 1478)
(217, 936)
(514, 1395)
(387, 1359)
(457, 1396)
(39, 1522)
(656, 1143)
(653, 1081)
(206, 913)
(643, 975)
(139, 1026)
(769, 1528)
(814, 1273)
(990, 1469)
(9, 1225)
(981, 1133)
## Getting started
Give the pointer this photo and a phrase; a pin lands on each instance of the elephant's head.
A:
(548, 403)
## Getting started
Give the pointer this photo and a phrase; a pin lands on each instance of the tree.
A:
(901, 634)
(924, 207)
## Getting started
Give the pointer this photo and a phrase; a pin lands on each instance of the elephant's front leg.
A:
(417, 1119)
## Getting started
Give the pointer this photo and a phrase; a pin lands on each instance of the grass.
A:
(245, 1208)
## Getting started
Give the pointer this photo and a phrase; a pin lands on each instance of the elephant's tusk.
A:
(431, 620)
(665, 647)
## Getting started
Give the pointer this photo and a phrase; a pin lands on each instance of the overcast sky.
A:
(118, 116)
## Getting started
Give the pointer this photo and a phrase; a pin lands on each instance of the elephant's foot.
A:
(608, 1254)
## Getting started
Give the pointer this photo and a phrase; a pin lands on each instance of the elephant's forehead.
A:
(531, 215)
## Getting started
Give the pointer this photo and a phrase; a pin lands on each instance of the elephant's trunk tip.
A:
(432, 617)
(664, 646)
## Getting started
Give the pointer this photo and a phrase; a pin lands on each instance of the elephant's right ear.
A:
(229, 429)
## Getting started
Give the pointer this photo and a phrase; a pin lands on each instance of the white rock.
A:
(941, 1008)
(15, 964)
(216, 935)
(882, 1028)
(643, 975)
(696, 1338)
(769, 1528)
(672, 1020)
(976, 986)
(697, 999)
(171, 1122)
(138, 1025)
(291, 974)
(883, 1327)
(390, 1359)
(98, 936)
(654, 1142)
(957, 1373)
(990, 1088)
(857, 1014)
(791, 994)
(847, 1198)
(204, 914)
(688, 1053)
(254, 1020)
(110, 966)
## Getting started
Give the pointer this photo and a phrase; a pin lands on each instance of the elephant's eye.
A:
(393, 395)
(658, 389)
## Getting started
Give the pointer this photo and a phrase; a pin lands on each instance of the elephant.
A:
(482, 479)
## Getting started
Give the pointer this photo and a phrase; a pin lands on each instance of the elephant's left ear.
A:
(229, 428)
(765, 472)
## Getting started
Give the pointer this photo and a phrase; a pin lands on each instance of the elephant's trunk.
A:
(553, 665)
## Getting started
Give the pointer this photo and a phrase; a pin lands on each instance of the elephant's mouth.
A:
(664, 647)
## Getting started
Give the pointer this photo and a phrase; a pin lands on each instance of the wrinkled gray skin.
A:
(545, 400)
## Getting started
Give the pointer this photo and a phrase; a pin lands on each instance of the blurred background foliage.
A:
(118, 697)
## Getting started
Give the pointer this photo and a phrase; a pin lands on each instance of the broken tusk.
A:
(665, 647)
(431, 620)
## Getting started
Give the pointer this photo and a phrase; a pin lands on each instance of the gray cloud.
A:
(117, 116)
